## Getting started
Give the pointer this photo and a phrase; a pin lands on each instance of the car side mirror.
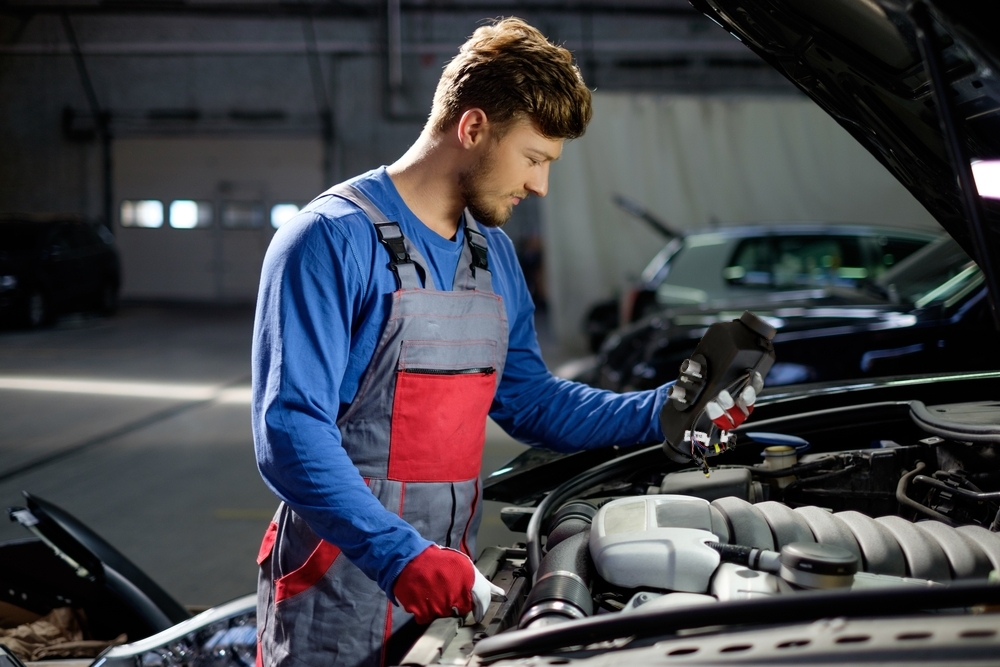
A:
(735, 275)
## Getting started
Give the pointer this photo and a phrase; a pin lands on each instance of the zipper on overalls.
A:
(488, 370)
(451, 524)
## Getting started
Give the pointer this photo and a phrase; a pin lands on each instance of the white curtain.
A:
(696, 162)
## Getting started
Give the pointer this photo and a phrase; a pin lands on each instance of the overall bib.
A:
(415, 431)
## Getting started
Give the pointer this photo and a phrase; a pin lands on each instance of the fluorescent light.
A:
(987, 175)
(146, 213)
(282, 213)
(184, 214)
(190, 214)
(127, 389)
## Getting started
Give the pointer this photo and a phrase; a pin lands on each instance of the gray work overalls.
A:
(415, 431)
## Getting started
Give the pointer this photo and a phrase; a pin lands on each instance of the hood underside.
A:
(861, 61)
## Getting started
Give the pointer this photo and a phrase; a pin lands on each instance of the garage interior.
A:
(191, 128)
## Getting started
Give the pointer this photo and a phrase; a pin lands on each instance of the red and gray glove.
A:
(443, 582)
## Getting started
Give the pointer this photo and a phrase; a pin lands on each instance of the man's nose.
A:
(538, 184)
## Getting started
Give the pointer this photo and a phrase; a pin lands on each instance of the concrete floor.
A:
(139, 425)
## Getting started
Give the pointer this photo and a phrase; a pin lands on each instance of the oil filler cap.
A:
(819, 566)
(757, 325)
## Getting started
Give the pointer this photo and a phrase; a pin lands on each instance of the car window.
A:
(694, 273)
(894, 250)
(797, 261)
(20, 237)
(942, 271)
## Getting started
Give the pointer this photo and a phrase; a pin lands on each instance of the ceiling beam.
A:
(666, 46)
(341, 9)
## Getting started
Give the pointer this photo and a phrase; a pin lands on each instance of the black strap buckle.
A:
(477, 244)
(396, 245)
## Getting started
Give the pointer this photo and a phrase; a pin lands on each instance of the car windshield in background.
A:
(941, 272)
(722, 265)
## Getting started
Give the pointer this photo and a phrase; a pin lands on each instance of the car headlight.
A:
(7, 283)
(224, 636)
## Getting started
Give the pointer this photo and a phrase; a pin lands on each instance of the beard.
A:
(483, 204)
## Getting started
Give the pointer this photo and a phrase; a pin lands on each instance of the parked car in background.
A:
(928, 313)
(756, 264)
(55, 265)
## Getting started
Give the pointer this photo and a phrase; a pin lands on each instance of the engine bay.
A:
(894, 495)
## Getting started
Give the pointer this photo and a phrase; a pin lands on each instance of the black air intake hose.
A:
(570, 519)
(562, 587)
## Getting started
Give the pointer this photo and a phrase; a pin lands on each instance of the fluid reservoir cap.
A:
(812, 565)
(757, 325)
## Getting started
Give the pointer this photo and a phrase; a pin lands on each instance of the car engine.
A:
(872, 496)
(796, 521)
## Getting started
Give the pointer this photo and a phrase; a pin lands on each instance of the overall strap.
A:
(403, 257)
(474, 266)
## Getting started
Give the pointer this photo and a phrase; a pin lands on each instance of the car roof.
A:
(814, 228)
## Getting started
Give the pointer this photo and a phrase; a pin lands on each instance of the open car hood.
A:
(862, 62)
(86, 564)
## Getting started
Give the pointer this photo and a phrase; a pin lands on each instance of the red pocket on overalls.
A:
(439, 423)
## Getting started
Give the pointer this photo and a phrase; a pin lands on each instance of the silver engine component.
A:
(662, 542)
(658, 542)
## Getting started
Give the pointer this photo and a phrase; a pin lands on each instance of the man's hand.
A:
(443, 582)
(482, 592)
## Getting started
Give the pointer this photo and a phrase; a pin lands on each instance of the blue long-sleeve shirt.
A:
(325, 296)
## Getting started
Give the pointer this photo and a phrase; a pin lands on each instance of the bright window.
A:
(146, 213)
(242, 214)
(189, 214)
(987, 176)
(282, 213)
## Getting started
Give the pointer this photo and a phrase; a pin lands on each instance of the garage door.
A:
(194, 216)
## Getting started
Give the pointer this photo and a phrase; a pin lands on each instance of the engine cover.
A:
(657, 542)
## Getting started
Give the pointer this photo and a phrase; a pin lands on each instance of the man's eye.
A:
(534, 162)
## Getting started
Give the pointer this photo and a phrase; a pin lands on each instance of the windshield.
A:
(942, 271)
(20, 237)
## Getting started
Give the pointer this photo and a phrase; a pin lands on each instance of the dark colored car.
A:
(757, 264)
(52, 266)
(845, 523)
(929, 313)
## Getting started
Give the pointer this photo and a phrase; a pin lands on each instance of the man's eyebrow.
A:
(543, 154)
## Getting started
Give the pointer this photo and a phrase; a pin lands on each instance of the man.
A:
(392, 318)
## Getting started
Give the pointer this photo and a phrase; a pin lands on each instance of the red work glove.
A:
(436, 584)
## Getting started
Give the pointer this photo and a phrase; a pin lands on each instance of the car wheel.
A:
(107, 298)
(37, 311)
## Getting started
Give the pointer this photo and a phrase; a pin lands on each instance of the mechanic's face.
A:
(507, 171)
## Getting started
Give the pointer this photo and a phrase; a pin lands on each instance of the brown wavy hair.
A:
(512, 72)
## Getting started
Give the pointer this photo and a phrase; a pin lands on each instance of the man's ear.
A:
(472, 128)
